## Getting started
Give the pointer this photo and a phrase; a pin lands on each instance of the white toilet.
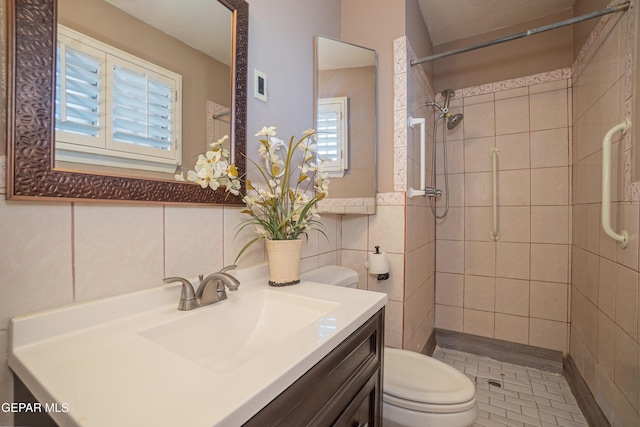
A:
(418, 391)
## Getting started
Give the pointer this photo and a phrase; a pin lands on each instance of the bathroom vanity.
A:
(308, 354)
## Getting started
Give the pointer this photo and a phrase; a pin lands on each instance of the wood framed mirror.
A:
(32, 170)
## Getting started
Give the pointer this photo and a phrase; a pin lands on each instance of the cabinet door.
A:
(364, 409)
(323, 394)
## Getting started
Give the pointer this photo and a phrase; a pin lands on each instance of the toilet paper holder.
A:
(378, 263)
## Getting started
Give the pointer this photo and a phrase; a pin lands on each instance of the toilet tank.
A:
(335, 275)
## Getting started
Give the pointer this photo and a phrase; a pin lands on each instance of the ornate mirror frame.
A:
(32, 28)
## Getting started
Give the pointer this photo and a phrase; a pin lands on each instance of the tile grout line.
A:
(518, 400)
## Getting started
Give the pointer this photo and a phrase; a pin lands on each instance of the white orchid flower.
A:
(267, 131)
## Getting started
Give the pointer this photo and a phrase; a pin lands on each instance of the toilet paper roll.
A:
(378, 263)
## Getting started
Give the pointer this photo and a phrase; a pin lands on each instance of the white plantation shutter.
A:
(328, 134)
(115, 109)
(332, 137)
(79, 93)
(141, 109)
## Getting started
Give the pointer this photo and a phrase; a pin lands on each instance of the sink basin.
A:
(224, 336)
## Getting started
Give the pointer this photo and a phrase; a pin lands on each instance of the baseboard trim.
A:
(430, 346)
(504, 351)
(586, 401)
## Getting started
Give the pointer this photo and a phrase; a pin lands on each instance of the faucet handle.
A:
(188, 298)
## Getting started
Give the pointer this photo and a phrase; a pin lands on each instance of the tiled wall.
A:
(402, 227)
(62, 253)
(515, 289)
(604, 300)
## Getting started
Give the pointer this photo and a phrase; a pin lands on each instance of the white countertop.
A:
(93, 358)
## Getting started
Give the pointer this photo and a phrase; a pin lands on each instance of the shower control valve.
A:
(432, 192)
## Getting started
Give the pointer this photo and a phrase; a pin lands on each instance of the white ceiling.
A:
(202, 24)
(449, 20)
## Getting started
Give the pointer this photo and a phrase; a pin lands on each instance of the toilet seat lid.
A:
(422, 379)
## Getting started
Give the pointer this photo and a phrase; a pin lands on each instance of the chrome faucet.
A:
(210, 290)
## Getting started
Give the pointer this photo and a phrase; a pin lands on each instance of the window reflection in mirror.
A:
(345, 74)
(151, 140)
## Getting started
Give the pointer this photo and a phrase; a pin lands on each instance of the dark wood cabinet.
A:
(344, 389)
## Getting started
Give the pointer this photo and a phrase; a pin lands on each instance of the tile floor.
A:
(517, 396)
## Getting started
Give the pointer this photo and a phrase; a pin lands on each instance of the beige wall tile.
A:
(549, 301)
(512, 296)
(606, 344)
(550, 186)
(456, 191)
(449, 289)
(626, 365)
(386, 229)
(479, 323)
(514, 223)
(355, 260)
(514, 188)
(548, 110)
(479, 120)
(624, 413)
(186, 227)
(627, 300)
(479, 292)
(604, 393)
(628, 221)
(478, 223)
(235, 239)
(512, 115)
(512, 260)
(512, 328)
(448, 317)
(476, 154)
(548, 334)
(44, 256)
(455, 155)
(130, 255)
(550, 224)
(355, 232)
(514, 151)
(452, 226)
(550, 263)
(480, 258)
(592, 274)
(478, 189)
(393, 314)
(593, 228)
(579, 225)
(607, 287)
(450, 256)
(550, 148)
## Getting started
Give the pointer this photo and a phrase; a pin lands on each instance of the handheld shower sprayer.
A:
(452, 121)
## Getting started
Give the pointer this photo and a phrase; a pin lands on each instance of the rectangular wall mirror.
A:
(345, 118)
(108, 99)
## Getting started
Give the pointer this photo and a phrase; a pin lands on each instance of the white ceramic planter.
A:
(284, 261)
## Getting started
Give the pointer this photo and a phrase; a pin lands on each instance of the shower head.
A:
(447, 94)
(454, 121)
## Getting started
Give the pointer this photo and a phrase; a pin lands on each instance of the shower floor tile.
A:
(515, 396)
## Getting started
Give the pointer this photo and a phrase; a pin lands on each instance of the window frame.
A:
(104, 150)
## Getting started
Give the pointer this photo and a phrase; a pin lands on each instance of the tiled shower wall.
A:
(402, 227)
(604, 298)
(515, 288)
